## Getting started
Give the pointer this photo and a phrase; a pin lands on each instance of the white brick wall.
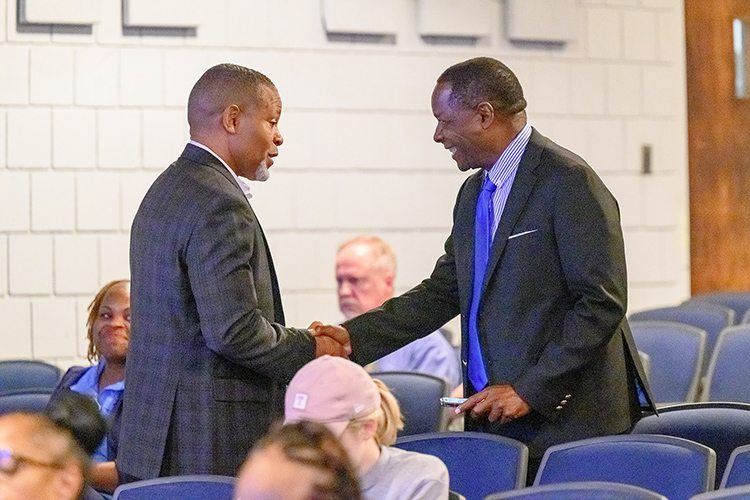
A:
(53, 324)
(15, 321)
(51, 77)
(53, 201)
(3, 265)
(640, 35)
(15, 201)
(97, 72)
(73, 138)
(30, 265)
(119, 138)
(73, 258)
(624, 94)
(604, 34)
(14, 85)
(29, 138)
(98, 201)
(87, 121)
(2, 135)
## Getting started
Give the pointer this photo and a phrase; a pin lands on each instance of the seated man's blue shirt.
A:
(107, 399)
(432, 354)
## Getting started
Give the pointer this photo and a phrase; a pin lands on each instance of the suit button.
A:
(558, 408)
(564, 402)
(568, 396)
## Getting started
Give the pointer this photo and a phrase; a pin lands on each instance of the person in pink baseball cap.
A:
(366, 418)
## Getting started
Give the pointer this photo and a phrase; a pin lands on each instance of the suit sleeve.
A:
(591, 252)
(410, 316)
(223, 246)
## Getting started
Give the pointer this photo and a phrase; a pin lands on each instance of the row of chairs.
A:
(602, 490)
(723, 428)
(20, 375)
(711, 313)
(690, 359)
(26, 384)
(486, 467)
(738, 302)
(194, 487)
(492, 467)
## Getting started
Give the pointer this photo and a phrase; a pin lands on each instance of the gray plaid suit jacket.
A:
(552, 319)
(209, 356)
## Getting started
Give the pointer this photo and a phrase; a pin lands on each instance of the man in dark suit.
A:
(546, 350)
(209, 353)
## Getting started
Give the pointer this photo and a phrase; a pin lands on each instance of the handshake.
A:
(330, 339)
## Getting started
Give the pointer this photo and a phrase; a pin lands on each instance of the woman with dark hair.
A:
(108, 331)
(300, 461)
(46, 456)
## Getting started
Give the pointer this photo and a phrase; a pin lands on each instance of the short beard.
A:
(261, 173)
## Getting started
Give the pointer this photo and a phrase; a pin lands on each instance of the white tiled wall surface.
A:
(90, 115)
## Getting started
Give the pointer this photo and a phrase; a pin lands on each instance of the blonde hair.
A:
(93, 354)
(388, 416)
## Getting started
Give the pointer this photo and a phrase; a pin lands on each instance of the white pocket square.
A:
(522, 234)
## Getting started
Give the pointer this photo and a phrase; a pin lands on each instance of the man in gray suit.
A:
(209, 353)
(535, 266)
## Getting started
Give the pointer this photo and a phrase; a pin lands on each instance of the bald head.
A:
(221, 86)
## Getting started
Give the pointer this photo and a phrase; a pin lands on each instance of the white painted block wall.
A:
(88, 118)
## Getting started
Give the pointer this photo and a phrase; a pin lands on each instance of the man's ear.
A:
(389, 279)
(69, 481)
(486, 114)
(230, 118)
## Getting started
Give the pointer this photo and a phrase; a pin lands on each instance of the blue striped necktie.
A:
(482, 243)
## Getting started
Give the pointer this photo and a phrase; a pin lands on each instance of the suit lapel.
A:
(199, 155)
(278, 310)
(519, 195)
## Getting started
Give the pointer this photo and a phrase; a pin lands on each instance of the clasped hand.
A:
(330, 339)
(501, 401)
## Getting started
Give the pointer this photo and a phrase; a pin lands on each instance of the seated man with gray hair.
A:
(365, 275)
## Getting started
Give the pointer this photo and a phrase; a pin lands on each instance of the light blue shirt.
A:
(432, 355)
(107, 399)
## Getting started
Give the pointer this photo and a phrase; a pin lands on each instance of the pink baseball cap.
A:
(332, 391)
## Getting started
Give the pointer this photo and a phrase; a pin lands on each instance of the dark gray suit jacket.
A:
(552, 320)
(209, 356)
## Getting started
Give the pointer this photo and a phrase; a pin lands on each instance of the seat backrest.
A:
(583, 490)
(711, 318)
(34, 400)
(720, 426)
(676, 353)
(478, 463)
(728, 378)
(737, 472)
(418, 396)
(195, 487)
(674, 467)
(739, 302)
(453, 495)
(20, 374)
(735, 493)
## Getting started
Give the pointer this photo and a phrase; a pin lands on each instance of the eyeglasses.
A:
(10, 462)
